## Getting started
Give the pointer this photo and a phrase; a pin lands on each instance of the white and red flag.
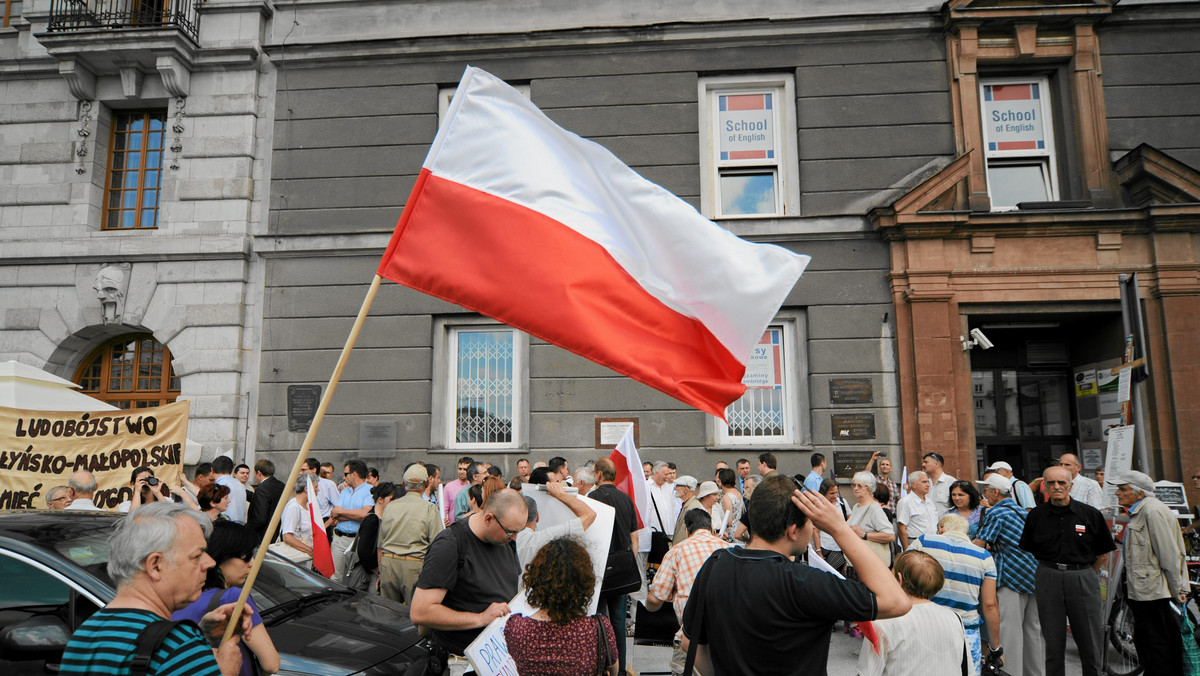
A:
(630, 479)
(520, 220)
(322, 555)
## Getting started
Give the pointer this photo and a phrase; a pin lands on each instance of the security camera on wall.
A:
(977, 340)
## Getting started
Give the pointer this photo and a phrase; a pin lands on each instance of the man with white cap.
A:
(685, 491)
(1156, 574)
(1021, 492)
(1016, 569)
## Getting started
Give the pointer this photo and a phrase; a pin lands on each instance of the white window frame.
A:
(1044, 158)
(797, 427)
(443, 418)
(785, 164)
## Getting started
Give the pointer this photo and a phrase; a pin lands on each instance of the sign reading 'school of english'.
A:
(746, 126)
(1012, 117)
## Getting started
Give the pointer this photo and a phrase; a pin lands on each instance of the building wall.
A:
(192, 282)
(354, 120)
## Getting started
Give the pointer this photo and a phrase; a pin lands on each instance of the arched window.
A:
(130, 372)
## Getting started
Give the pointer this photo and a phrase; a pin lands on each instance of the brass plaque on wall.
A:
(851, 391)
(610, 430)
(846, 463)
(852, 426)
(302, 403)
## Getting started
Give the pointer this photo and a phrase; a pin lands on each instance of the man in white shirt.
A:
(660, 489)
(326, 490)
(916, 514)
(83, 486)
(531, 539)
(223, 468)
(1083, 489)
(939, 481)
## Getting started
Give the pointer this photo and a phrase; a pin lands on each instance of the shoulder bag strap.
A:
(148, 643)
(661, 523)
(602, 654)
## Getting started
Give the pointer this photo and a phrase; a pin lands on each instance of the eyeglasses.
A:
(510, 534)
(1196, 476)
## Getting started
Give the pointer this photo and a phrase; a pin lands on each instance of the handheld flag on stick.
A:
(519, 219)
(322, 555)
(630, 479)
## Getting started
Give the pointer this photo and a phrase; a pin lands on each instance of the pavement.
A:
(843, 656)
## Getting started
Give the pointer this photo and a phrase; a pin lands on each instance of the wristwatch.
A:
(864, 535)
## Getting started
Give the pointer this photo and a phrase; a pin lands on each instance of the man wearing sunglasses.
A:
(470, 573)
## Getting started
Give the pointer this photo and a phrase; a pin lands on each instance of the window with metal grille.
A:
(134, 170)
(768, 412)
(485, 389)
(130, 372)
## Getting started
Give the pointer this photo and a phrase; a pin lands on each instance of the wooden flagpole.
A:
(302, 455)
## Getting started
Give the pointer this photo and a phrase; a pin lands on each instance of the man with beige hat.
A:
(685, 490)
(408, 526)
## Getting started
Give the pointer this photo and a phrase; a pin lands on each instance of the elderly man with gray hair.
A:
(1157, 573)
(916, 513)
(157, 560)
(83, 487)
(58, 497)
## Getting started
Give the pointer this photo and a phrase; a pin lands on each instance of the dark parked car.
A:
(53, 576)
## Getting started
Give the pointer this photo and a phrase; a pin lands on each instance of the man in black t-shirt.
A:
(790, 606)
(624, 538)
(1068, 538)
(470, 573)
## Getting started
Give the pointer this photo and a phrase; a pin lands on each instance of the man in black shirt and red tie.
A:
(1068, 538)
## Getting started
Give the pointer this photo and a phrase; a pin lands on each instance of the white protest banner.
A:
(41, 449)
(596, 539)
(1119, 461)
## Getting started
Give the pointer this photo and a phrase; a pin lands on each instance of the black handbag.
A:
(659, 542)
(621, 574)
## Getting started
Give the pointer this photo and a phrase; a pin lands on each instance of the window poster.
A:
(746, 126)
(1012, 116)
(765, 369)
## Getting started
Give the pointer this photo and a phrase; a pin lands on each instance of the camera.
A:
(152, 481)
(977, 339)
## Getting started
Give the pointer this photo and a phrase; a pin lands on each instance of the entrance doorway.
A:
(1028, 410)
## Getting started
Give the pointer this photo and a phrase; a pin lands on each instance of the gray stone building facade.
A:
(304, 126)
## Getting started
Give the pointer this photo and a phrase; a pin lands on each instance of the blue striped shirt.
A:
(105, 644)
(1002, 527)
(966, 566)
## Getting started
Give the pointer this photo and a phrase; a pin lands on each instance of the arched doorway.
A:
(130, 371)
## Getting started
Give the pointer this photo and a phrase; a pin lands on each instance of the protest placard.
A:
(41, 449)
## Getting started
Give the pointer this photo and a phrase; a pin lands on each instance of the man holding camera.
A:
(791, 606)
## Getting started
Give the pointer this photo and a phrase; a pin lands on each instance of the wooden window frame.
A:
(163, 394)
(141, 189)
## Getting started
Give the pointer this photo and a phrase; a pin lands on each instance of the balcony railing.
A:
(74, 15)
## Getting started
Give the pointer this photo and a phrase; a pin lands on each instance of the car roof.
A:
(44, 527)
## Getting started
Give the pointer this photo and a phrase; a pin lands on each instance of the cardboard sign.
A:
(1119, 460)
(41, 449)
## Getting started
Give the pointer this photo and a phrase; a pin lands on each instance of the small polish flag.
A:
(630, 479)
(518, 219)
(322, 556)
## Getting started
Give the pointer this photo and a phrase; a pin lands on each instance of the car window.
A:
(28, 585)
(281, 581)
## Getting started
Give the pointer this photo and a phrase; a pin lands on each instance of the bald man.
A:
(83, 487)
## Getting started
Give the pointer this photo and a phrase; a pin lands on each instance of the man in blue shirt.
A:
(813, 481)
(353, 504)
(1021, 492)
(1020, 626)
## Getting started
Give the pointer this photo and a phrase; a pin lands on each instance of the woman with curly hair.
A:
(964, 501)
(559, 638)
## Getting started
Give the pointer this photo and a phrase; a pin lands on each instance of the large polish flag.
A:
(322, 555)
(631, 480)
(520, 220)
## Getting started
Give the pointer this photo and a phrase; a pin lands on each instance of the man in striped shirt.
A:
(1020, 625)
(970, 582)
(158, 562)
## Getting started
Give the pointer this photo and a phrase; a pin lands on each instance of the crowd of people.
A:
(933, 571)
